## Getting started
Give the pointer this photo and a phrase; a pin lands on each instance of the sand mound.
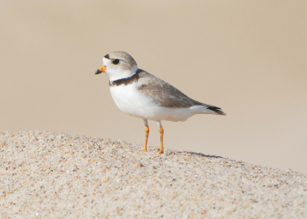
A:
(57, 175)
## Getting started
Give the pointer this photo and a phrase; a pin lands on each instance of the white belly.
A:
(132, 101)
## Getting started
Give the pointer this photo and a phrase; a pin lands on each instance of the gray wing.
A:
(163, 93)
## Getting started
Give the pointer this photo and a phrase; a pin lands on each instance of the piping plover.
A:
(143, 95)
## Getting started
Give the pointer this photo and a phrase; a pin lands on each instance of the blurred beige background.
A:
(248, 57)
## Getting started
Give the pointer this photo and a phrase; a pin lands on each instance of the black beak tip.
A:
(98, 72)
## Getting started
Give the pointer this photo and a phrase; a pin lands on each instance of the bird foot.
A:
(160, 152)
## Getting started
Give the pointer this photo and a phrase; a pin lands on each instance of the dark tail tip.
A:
(216, 110)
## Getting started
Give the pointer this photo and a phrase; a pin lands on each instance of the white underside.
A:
(133, 102)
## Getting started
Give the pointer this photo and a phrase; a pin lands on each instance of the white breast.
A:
(130, 100)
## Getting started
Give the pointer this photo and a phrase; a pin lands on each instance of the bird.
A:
(143, 95)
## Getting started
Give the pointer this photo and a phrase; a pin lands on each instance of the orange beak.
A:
(101, 70)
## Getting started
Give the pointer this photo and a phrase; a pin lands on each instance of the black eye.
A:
(115, 61)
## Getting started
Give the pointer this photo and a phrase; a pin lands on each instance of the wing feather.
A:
(163, 93)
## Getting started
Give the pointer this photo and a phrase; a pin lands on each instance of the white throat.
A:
(119, 73)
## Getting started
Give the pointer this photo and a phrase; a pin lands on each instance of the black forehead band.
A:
(107, 56)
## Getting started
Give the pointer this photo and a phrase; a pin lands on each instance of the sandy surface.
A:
(57, 175)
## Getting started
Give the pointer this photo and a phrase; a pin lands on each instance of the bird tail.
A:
(216, 110)
(207, 109)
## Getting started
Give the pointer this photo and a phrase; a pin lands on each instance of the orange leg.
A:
(146, 136)
(161, 138)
